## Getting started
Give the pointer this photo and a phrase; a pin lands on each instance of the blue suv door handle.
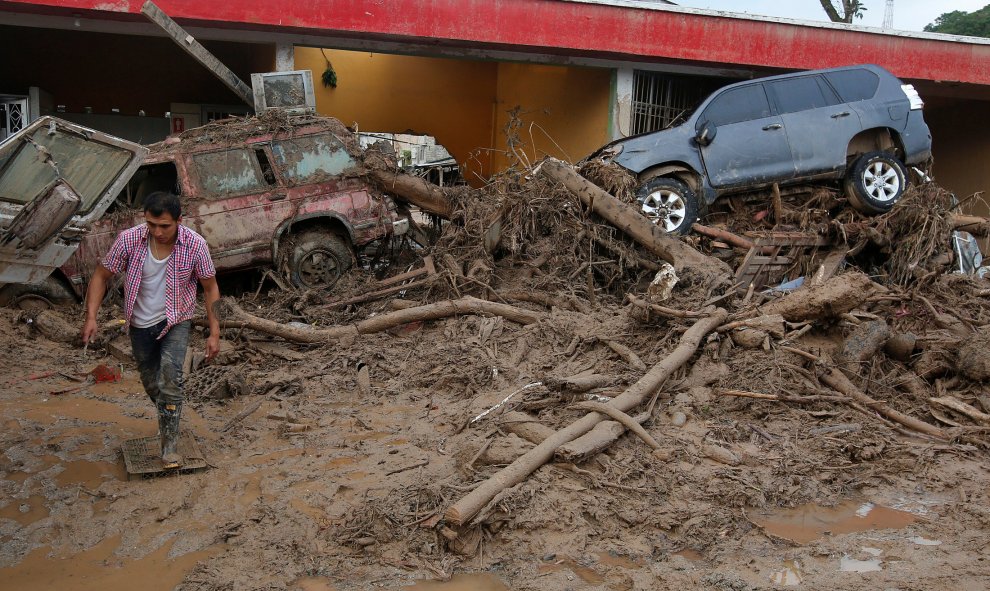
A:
(772, 126)
(842, 114)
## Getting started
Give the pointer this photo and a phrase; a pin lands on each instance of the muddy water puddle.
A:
(618, 560)
(585, 573)
(89, 474)
(98, 569)
(810, 522)
(25, 511)
(690, 554)
(466, 582)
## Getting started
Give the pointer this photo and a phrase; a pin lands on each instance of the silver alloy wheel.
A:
(319, 268)
(666, 206)
(881, 181)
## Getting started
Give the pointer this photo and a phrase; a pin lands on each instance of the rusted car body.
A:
(56, 180)
(293, 198)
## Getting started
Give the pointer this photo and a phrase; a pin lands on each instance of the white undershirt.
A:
(149, 308)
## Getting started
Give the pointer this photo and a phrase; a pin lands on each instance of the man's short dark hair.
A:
(159, 202)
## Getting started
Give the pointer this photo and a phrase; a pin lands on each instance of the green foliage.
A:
(957, 22)
(329, 77)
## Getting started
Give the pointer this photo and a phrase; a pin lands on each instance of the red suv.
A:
(292, 196)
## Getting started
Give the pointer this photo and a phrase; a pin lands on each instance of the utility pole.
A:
(888, 15)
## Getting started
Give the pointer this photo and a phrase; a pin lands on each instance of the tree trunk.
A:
(423, 194)
(463, 306)
(672, 249)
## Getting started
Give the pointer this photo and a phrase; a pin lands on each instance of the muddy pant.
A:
(160, 361)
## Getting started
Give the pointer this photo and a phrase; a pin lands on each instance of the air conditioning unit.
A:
(289, 91)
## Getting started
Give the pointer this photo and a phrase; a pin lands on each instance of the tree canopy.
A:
(957, 22)
(850, 9)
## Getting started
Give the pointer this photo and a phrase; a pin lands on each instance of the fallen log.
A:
(525, 426)
(975, 225)
(421, 193)
(962, 408)
(591, 443)
(625, 217)
(469, 506)
(863, 343)
(833, 298)
(723, 235)
(547, 300)
(463, 306)
(662, 310)
(580, 383)
(627, 421)
(836, 380)
(627, 354)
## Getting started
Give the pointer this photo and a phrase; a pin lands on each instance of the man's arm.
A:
(94, 297)
(211, 292)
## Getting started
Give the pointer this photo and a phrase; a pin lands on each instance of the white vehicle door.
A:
(56, 179)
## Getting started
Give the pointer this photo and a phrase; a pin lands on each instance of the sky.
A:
(909, 15)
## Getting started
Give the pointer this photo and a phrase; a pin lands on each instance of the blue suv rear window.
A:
(854, 85)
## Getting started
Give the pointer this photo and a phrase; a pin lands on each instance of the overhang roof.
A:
(611, 30)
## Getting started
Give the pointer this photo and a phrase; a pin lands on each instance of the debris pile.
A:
(573, 380)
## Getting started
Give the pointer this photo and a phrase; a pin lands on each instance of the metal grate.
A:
(658, 99)
(143, 456)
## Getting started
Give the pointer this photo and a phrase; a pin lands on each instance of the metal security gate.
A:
(13, 116)
(659, 99)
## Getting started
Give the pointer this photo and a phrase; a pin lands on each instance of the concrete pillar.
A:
(620, 125)
(285, 57)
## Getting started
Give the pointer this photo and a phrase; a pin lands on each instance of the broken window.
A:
(312, 158)
(29, 167)
(148, 179)
(231, 172)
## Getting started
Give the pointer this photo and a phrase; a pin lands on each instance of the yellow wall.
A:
(464, 103)
(446, 98)
(564, 110)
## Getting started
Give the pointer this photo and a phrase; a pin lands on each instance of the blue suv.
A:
(859, 124)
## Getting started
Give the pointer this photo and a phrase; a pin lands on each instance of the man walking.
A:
(163, 260)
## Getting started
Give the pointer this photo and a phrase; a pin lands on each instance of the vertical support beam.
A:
(621, 107)
(285, 57)
(194, 48)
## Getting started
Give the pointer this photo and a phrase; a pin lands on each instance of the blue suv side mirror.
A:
(706, 133)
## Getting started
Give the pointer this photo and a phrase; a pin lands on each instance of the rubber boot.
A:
(168, 419)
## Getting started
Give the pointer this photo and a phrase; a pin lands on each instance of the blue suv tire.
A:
(669, 204)
(875, 182)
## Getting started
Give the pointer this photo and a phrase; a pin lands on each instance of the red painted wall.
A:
(553, 26)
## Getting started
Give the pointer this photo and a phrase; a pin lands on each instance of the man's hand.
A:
(88, 330)
(212, 346)
(211, 292)
(94, 296)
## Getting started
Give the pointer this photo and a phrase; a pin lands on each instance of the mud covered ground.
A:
(331, 466)
(327, 487)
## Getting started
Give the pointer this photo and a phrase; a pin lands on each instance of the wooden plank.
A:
(771, 261)
(194, 48)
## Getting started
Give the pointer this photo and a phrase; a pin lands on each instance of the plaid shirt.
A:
(190, 261)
